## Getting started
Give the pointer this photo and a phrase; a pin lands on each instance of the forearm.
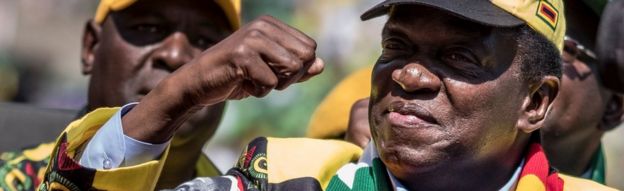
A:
(159, 114)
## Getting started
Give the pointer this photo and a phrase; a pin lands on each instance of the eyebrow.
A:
(453, 34)
(458, 36)
(140, 15)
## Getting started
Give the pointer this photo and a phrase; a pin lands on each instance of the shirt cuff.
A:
(111, 148)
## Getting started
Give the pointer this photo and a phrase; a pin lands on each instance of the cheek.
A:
(483, 115)
(120, 67)
(577, 106)
(381, 81)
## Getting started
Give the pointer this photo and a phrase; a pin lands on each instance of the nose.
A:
(415, 77)
(175, 51)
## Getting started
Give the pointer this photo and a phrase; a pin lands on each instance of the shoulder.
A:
(294, 158)
(25, 168)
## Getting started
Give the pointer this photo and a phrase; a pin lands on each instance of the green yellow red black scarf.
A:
(536, 174)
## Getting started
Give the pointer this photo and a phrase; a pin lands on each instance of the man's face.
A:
(445, 92)
(139, 46)
(580, 106)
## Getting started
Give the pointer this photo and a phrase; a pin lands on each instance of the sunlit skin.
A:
(448, 104)
(136, 48)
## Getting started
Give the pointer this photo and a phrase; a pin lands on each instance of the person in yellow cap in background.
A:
(127, 49)
(178, 59)
(585, 109)
(456, 96)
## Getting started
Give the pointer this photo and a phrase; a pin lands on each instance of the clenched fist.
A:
(263, 55)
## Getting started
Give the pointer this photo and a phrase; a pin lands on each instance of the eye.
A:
(393, 44)
(462, 61)
(201, 42)
(204, 42)
(456, 57)
(149, 28)
(393, 48)
(459, 55)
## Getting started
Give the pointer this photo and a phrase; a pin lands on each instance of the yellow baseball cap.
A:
(544, 16)
(230, 7)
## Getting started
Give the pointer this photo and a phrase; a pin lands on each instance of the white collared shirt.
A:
(370, 153)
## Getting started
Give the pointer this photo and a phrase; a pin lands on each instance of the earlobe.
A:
(90, 40)
(613, 114)
(537, 104)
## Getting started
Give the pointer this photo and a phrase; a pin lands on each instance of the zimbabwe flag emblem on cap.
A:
(548, 13)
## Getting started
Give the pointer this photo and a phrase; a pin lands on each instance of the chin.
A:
(186, 129)
(405, 161)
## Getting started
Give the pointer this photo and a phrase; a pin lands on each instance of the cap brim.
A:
(481, 11)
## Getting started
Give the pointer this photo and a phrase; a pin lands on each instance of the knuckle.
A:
(254, 33)
(259, 24)
(298, 64)
(267, 18)
(240, 51)
(312, 43)
(307, 54)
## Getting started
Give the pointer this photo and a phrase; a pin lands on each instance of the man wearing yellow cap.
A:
(458, 90)
(456, 95)
(180, 59)
(583, 111)
(128, 48)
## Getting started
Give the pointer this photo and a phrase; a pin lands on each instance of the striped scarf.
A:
(370, 174)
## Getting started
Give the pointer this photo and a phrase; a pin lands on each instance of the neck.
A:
(488, 174)
(581, 148)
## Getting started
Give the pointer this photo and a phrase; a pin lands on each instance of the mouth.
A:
(409, 115)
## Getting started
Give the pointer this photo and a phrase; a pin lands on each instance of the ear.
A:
(90, 40)
(614, 113)
(537, 104)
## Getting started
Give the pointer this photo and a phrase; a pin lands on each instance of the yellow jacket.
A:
(266, 164)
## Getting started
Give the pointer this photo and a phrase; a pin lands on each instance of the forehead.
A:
(206, 11)
(433, 23)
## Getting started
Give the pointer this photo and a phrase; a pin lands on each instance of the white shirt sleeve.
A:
(111, 148)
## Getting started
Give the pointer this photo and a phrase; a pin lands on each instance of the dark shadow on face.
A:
(452, 46)
(141, 45)
(445, 92)
(145, 23)
(577, 72)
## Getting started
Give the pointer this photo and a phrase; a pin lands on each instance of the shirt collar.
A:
(370, 152)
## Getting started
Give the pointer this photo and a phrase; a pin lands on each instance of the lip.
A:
(409, 115)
